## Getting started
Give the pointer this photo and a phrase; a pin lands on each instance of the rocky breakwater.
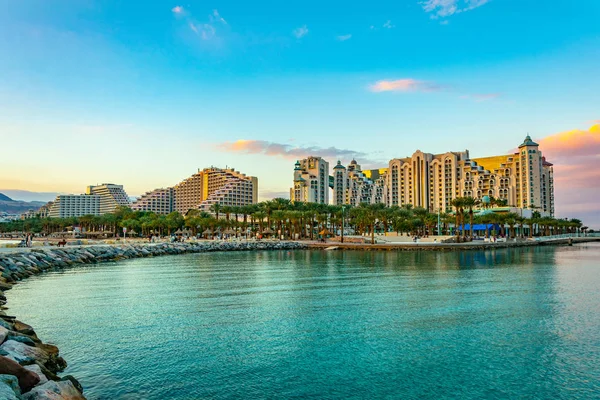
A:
(19, 342)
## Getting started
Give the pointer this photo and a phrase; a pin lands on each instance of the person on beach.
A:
(27, 379)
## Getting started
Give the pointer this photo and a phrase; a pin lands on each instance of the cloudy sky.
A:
(145, 93)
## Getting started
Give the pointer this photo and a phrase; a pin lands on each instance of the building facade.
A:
(97, 200)
(431, 181)
(311, 181)
(226, 187)
(353, 186)
(159, 201)
(524, 179)
(111, 197)
(74, 205)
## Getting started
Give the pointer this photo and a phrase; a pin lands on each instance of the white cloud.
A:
(301, 32)
(388, 24)
(343, 38)
(217, 17)
(447, 8)
(177, 10)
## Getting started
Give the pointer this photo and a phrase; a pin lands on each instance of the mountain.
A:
(11, 206)
(4, 197)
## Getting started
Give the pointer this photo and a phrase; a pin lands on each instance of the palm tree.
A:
(458, 205)
(215, 208)
(469, 203)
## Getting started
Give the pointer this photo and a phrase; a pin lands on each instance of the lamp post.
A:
(343, 209)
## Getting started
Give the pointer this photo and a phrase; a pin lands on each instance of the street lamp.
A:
(343, 209)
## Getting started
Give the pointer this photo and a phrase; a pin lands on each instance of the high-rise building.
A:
(111, 197)
(227, 187)
(188, 193)
(353, 186)
(98, 200)
(524, 179)
(311, 181)
(432, 181)
(74, 205)
(159, 201)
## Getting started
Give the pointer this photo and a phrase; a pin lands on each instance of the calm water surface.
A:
(520, 323)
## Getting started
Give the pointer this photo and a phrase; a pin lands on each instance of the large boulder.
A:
(62, 390)
(38, 371)
(3, 334)
(9, 387)
(24, 354)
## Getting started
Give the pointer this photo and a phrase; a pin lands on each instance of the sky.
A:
(145, 93)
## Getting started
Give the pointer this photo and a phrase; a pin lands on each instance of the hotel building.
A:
(226, 187)
(311, 181)
(159, 201)
(524, 179)
(74, 205)
(353, 186)
(111, 197)
(97, 200)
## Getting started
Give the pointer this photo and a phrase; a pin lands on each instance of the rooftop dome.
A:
(297, 167)
(339, 165)
(528, 142)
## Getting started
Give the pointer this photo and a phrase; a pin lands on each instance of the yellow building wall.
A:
(492, 163)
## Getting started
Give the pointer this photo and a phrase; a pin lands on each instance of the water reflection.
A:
(510, 323)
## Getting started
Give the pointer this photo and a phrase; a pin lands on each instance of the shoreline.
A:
(469, 246)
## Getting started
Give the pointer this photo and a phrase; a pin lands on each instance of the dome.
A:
(528, 142)
(485, 199)
(297, 167)
(339, 165)
(353, 162)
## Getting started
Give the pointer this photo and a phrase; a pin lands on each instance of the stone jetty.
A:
(19, 342)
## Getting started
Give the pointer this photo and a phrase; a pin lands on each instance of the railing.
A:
(567, 236)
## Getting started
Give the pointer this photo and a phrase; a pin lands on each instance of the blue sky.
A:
(144, 93)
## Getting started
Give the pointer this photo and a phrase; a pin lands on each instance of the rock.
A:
(36, 369)
(23, 353)
(9, 387)
(6, 325)
(21, 338)
(62, 390)
(3, 334)
(74, 381)
(23, 328)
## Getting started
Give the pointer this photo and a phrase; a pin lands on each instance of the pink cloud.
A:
(573, 143)
(293, 152)
(177, 10)
(405, 85)
(576, 157)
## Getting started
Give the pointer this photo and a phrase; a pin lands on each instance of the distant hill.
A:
(11, 206)
(4, 197)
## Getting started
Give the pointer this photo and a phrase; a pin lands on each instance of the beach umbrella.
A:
(268, 231)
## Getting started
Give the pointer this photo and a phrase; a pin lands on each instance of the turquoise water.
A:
(518, 323)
